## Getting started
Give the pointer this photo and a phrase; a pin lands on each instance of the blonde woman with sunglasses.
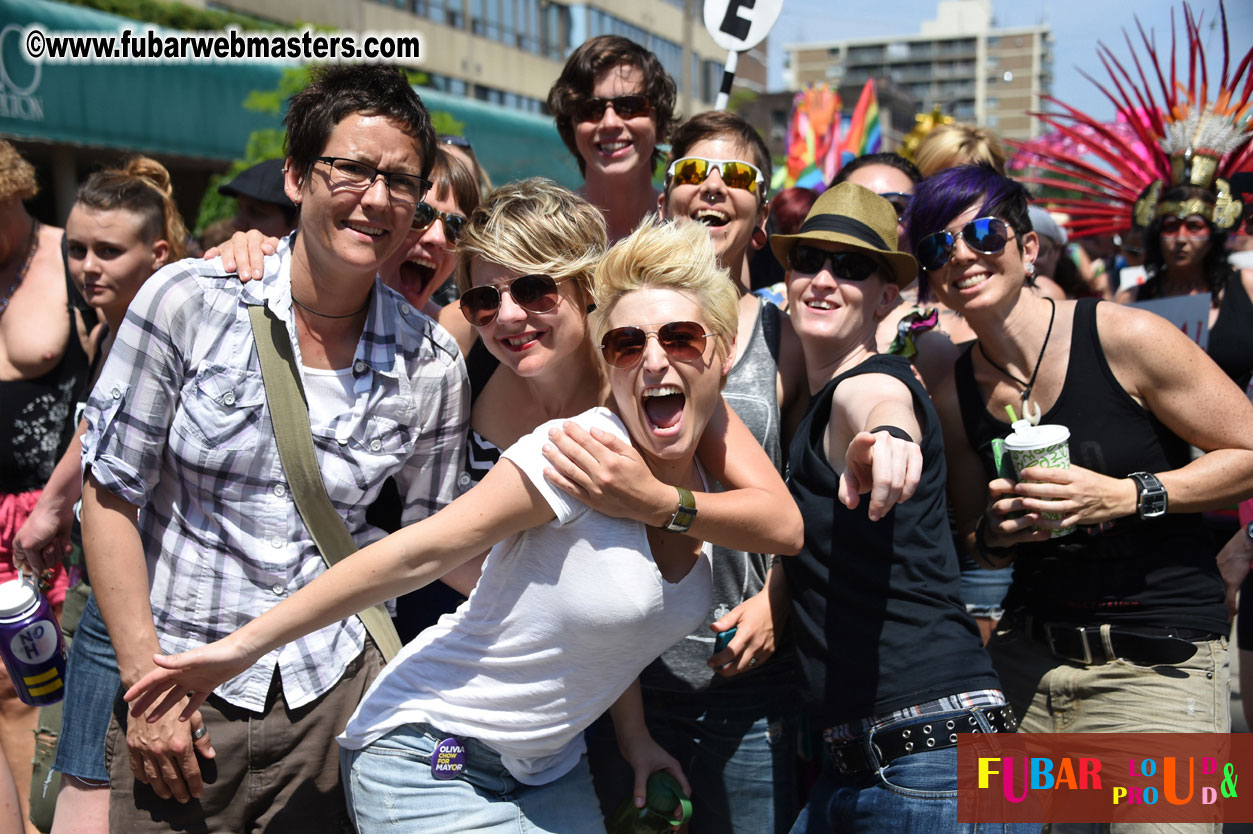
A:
(478, 723)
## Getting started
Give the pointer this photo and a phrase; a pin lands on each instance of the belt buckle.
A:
(1082, 631)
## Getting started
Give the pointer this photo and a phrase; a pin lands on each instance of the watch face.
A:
(1153, 503)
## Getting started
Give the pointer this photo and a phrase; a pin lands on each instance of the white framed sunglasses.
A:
(735, 173)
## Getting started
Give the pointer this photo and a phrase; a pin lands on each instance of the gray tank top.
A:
(752, 391)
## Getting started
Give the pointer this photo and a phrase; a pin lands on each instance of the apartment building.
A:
(509, 52)
(961, 61)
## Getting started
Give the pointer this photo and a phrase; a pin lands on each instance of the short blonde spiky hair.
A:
(534, 226)
(17, 176)
(672, 256)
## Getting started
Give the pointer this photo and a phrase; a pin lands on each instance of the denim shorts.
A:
(91, 684)
(982, 590)
(390, 789)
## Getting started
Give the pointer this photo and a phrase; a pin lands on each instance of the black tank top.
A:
(37, 415)
(1231, 339)
(1158, 572)
(875, 609)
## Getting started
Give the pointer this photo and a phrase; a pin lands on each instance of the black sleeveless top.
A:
(1159, 572)
(1231, 339)
(37, 415)
(875, 607)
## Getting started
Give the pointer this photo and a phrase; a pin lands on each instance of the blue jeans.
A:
(91, 684)
(390, 789)
(914, 794)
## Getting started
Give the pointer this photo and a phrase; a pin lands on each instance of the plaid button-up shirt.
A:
(178, 426)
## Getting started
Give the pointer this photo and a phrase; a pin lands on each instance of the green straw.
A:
(1013, 418)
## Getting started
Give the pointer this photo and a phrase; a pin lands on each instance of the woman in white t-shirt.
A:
(572, 604)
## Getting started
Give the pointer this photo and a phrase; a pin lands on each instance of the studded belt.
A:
(868, 753)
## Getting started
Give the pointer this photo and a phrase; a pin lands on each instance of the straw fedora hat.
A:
(858, 217)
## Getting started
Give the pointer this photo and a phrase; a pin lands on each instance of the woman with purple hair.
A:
(1119, 626)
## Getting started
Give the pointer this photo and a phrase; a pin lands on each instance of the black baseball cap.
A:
(263, 181)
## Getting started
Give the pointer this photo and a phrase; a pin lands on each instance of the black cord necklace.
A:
(1029, 384)
(306, 307)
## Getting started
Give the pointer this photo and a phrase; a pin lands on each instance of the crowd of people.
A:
(422, 505)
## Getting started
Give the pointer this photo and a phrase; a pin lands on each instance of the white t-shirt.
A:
(564, 618)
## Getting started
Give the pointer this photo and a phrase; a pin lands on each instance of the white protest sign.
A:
(1190, 313)
(737, 26)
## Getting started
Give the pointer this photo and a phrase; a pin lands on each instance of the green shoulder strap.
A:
(289, 414)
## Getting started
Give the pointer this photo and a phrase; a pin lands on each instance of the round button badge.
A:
(448, 759)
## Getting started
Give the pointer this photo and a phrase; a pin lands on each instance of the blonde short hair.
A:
(534, 226)
(17, 176)
(948, 146)
(676, 256)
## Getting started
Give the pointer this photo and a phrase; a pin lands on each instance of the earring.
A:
(760, 238)
(1030, 268)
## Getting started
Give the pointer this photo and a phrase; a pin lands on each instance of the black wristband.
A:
(895, 431)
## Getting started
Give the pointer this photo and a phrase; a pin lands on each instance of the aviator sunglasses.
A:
(735, 173)
(626, 107)
(987, 235)
(684, 341)
(851, 266)
(426, 214)
(536, 293)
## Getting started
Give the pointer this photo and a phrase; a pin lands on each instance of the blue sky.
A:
(1077, 26)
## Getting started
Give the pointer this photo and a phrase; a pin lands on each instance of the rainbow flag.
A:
(863, 135)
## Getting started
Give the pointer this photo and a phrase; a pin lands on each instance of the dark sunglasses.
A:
(899, 201)
(536, 293)
(684, 341)
(455, 141)
(851, 266)
(987, 235)
(626, 107)
(426, 214)
(735, 173)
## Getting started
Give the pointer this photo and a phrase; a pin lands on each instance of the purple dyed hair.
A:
(945, 195)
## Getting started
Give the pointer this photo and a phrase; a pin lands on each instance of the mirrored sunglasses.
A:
(684, 341)
(426, 214)
(626, 107)
(851, 266)
(987, 235)
(735, 173)
(899, 201)
(536, 293)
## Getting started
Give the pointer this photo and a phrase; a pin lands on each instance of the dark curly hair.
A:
(578, 77)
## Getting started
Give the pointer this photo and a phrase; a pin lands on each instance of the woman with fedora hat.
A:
(893, 665)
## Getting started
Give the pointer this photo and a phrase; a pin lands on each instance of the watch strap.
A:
(1148, 484)
(684, 514)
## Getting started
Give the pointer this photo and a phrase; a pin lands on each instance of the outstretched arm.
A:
(503, 503)
(873, 442)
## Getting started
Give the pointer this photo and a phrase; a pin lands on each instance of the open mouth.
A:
(971, 282)
(613, 148)
(663, 406)
(820, 304)
(710, 217)
(416, 275)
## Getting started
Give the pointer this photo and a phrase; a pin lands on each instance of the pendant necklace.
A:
(1028, 412)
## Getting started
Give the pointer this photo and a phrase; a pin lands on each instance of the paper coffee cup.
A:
(1046, 446)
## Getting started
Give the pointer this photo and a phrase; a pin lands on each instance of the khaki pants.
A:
(274, 772)
(1054, 696)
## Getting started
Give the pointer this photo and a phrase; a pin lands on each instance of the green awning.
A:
(191, 110)
(508, 143)
(196, 110)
